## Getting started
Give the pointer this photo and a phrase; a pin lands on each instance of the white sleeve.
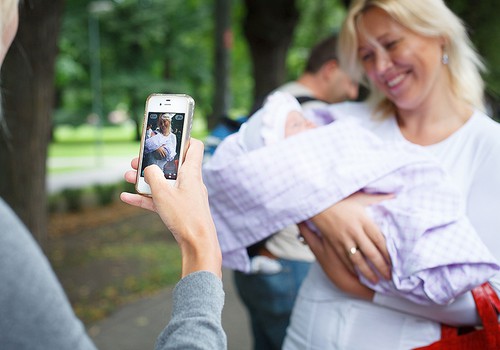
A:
(461, 312)
(482, 210)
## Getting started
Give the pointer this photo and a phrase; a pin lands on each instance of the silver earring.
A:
(445, 59)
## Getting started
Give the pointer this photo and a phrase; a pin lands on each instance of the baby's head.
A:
(296, 123)
(280, 117)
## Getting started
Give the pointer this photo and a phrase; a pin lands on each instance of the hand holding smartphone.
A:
(168, 119)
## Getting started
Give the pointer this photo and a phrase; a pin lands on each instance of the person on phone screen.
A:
(160, 147)
(36, 313)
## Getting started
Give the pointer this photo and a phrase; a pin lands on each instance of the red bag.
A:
(484, 338)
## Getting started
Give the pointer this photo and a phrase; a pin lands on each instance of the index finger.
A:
(375, 251)
(378, 239)
(135, 163)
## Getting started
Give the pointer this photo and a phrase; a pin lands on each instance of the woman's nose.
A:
(383, 61)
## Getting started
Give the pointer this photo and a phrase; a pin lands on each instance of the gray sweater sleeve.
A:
(196, 315)
(35, 312)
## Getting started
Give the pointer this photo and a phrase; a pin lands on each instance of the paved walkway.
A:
(88, 171)
(135, 326)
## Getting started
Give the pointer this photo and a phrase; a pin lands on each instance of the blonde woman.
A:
(161, 146)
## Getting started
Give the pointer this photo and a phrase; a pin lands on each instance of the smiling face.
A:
(403, 65)
(164, 125)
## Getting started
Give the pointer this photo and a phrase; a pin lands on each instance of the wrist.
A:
(201, 254)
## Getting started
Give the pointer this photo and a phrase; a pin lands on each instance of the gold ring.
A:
(353, 250)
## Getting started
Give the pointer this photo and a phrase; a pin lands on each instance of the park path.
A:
(88, 171)
(136, 325)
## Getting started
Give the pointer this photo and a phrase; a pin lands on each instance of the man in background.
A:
(280, 263)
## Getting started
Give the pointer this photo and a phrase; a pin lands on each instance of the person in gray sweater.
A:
(36, 313)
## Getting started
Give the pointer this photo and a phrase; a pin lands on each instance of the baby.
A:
(424, 220)
(280, 117)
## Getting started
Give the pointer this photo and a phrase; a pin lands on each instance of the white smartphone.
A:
(168, 119)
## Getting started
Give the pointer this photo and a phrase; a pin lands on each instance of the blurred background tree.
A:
(28, 94)
(152, 45)
(139, 47)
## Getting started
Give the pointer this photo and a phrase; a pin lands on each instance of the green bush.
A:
(105, 193)
(73, 198)
(54, 203)
(127, 187)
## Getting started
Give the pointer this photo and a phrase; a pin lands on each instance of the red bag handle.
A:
(488, 308)
(487, 311)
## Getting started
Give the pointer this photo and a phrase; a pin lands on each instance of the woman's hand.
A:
(333, 267)
(161, 152)
(356, 239)
(184, 209)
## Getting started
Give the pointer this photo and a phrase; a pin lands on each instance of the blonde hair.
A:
(166, 120)
(6, 10)
(429, 18)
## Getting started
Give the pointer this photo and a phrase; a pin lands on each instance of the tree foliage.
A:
(145, 47)
(152, 45)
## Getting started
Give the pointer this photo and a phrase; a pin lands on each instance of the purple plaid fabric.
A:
(436, 254)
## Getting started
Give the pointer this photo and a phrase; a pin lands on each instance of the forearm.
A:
(196, 317)
(201, 255)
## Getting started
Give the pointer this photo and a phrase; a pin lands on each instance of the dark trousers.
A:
(269, 299)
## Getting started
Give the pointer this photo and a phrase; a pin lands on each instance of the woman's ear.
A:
(444, 42)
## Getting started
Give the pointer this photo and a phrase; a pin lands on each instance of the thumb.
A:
(154, 176)
(312, 239)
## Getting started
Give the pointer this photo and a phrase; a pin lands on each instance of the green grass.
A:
(89, 149)
(92, 134)
(87, 133)
(164, 262)
(104, 265)
(90, 141)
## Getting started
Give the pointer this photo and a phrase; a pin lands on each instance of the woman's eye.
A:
(391, 44)
(366, 57)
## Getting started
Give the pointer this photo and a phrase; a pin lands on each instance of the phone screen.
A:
(164, 132)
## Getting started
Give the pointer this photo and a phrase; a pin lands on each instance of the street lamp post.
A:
(95, 9)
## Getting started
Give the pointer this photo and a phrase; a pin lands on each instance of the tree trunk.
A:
(269, 27)
(346, 3)
(223, 44)
(28, 87)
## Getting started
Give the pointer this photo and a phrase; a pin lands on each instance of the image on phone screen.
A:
(163, 142)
